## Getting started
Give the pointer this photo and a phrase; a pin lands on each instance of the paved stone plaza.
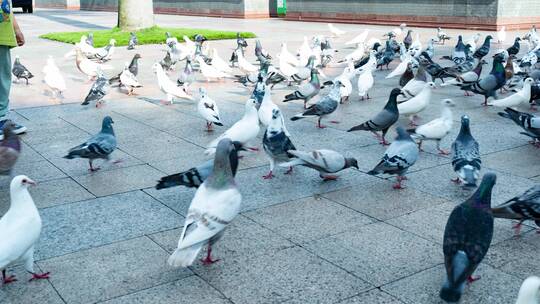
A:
(107, 235)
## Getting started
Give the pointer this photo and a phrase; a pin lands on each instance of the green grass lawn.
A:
(153, 35)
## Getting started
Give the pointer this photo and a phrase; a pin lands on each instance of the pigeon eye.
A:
(24, 181)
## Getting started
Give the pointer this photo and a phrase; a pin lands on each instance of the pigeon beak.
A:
(31, 182)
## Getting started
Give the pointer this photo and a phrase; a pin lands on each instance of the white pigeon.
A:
(398, 31)
(210, 72)
(208, 110)
(529, 293)
(357, 54)
(436, 129)
(521, 97)
(501, 35)
(361, 38)
(20, 228)
(128, 80)
(243, 64)
(416, 104)
(287, 56)
(267, 108)
(88, 67)
(414, 86)
(215, 204)
(335, 31)
(304, 49)
(345, 78)
(401, 68)
(167, 86)
(286, 68)
(87, 50)
(416, 44)
(179, 52)
(219, 63)
(472, 41)
(243, 131)
(365, 80)
(190, 45)
(53, 78)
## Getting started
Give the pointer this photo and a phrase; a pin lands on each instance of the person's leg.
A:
(5, 87)
(5, 80)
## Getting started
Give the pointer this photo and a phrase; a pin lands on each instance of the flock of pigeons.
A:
(217, 201)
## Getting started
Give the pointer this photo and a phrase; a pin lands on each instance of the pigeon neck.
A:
(391, 105)
(221, 175)
(107, 128)
(446, 113)
(482, 197)
(478, 69)
(465, 131)
(22, 201)
(314, 78)
(498, 68)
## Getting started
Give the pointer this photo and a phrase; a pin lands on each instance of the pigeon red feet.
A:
(269, 175)
(39, 276)
(443, 152)
(253, 149)
(517, 228)
(472, 279)
(329, 178)
(319, 126)
(208, 260)
(384, 142)
(334, 121)
(209, 127)
(6, 279)
(398, 185)
(288, 172)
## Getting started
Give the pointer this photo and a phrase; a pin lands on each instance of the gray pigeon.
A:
(407, 41)
(523, 207)
(167, 63)
(258, 91)
(276, 143)
(306, 91)
(10, 148)
(398, 158)
(133, 41)
(325, 106)
(529, 123)
(467, 238)
(90, 39)
(305, 71)
(466, 156)
(384, 120)
(133, 68)
(99, 146)
(20, 71)
(489, 85)
(98, 91)
(186, 77)
(324, 161)
(215, 205)
(261, 53)
(195, 176)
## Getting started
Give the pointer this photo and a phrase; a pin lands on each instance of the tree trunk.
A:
(135, 14)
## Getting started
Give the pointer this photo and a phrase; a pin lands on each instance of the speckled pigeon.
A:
(98, 91)
(99, 146)
(484, 49)
(467, 238)
(466, 156)
(276, 143)
(384, 119)
(529, 123)
(523, 207)
(133, 68)
(398, 158)
(514, 49)
(133, 41)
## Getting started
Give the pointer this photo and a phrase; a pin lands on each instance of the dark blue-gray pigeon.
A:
(99, 146)
(398, 158)
(195, 176)
(488, 86)
(383, 120)
(407, 41)
(484, 49)
(466, 156)
(467, 238)
(20, 71)
(514, 49)
(387, 56)
(276, 143)
(324, 106)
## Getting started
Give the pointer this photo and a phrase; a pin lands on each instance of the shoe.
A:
(19, 129)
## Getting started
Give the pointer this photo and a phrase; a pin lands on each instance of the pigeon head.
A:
(396, 92)
(482, 197)
(430, 85)
(21, 182)
(275, 114)
(465, 131)
(529, 81)
(402, 134)
(137, 56)
(351, 162)
(488, 38)
(106, 126)
(112, 42)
